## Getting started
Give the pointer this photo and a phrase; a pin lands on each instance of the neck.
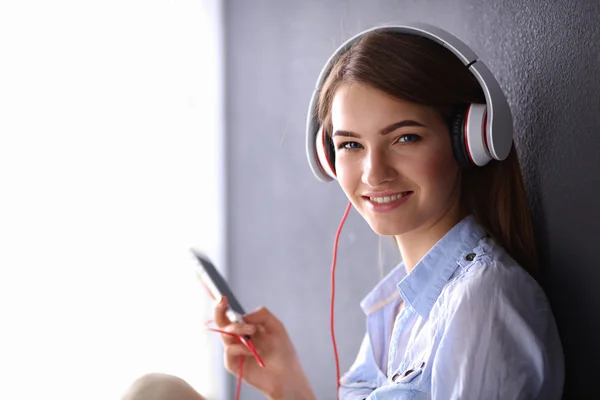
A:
(415, 244)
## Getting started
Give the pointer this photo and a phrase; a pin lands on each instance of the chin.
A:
(387, 228)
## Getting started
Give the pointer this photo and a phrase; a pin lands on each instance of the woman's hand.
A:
(282, 377)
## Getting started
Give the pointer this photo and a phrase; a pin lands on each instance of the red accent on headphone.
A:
(466, 137)
(327, 153)
(485, 142)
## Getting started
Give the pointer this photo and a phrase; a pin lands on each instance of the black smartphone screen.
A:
(216, 282)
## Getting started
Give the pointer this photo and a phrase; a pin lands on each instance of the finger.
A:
(265, 318)
(219, 310)
(240, 329)
(232, 332)
(236, 350)
(229, 340)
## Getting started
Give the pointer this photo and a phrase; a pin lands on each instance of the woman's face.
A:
(393, 160)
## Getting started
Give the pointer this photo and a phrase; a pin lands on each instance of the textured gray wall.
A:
(282, 221)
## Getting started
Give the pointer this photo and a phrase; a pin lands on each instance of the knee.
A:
(157, 386)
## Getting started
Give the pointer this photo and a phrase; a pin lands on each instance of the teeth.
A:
(387, 199)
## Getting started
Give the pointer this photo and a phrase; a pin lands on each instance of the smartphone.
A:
(217, 286)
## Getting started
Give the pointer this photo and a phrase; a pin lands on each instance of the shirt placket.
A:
(398, 333)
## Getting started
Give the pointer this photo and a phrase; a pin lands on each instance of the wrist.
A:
(304, 394)
(299, 389)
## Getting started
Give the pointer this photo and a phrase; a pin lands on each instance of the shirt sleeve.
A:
(492, 346)
(361, 378)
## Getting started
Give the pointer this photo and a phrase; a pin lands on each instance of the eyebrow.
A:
(384, 131)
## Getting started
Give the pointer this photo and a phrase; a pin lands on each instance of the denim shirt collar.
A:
(385, 291)
(421, 288)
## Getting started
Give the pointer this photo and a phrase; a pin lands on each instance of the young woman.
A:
(462, 316)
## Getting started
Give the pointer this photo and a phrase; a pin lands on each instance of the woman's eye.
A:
(409, 138)
(349, 145)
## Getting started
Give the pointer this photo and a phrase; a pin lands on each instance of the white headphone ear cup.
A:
(325, 153)
(475, 134)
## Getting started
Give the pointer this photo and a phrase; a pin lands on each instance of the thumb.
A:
(219, 313)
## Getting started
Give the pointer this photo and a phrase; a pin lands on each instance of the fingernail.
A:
(249, 329)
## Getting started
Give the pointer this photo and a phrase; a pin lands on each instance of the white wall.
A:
(110, 169)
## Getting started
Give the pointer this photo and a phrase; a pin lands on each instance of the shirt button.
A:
(470, 256)
(396, 376)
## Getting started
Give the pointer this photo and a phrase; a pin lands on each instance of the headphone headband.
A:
(498, 128)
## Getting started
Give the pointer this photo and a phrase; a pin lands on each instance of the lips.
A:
(389, 198)
(386, 201)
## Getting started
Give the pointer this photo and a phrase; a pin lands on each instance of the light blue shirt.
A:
(474, 325)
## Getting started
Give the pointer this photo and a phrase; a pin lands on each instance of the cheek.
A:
(348, 174)
(437, 172)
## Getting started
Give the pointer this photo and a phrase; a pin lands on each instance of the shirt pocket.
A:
(360, 377)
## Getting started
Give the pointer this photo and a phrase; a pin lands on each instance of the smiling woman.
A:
(398, 111)
(419, 138)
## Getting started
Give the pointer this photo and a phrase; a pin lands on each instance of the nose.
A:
(377, 169)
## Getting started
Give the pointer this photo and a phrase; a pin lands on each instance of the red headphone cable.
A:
(249, 343)
(333, 265)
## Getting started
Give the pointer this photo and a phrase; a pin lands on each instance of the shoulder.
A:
(493, 282)
(491, 267)
(497, 317)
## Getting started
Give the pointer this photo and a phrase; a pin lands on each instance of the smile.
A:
(387, 203)
(389, 199)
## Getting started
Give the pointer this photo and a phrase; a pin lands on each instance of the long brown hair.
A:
(418, 70)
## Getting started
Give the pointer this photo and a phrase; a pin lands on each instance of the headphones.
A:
(479, 132)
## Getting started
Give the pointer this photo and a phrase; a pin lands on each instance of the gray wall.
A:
(282, 221)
